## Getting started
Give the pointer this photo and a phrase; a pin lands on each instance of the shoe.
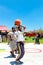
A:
(18, 61)
(21, 62)
(13, 54)
(16, 52)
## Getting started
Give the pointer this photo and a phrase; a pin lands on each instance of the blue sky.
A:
(29, 11)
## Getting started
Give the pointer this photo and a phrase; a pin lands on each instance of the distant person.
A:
(0, 38)
(37, 38)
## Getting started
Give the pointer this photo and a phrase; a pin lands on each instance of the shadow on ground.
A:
(15, 63)
(9, 56)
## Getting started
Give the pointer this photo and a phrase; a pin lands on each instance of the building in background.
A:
(3, 33)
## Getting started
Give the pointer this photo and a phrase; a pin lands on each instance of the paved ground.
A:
(33, 55)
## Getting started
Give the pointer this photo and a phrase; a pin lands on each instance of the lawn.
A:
(30, 39)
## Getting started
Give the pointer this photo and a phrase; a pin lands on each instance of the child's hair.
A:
(13, 28)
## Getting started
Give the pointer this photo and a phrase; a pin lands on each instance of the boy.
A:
(20, 43)
(12, 42)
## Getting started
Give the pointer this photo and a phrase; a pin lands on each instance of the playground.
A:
(33, 55)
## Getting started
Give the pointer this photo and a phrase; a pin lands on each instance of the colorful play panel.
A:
(2, 50)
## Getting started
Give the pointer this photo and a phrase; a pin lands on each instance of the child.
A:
(20, 43)
(12, 42)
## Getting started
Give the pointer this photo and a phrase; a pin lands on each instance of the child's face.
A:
(13, 29)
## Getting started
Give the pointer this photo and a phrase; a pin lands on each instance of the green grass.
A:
(30, 39)
(41, 41)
